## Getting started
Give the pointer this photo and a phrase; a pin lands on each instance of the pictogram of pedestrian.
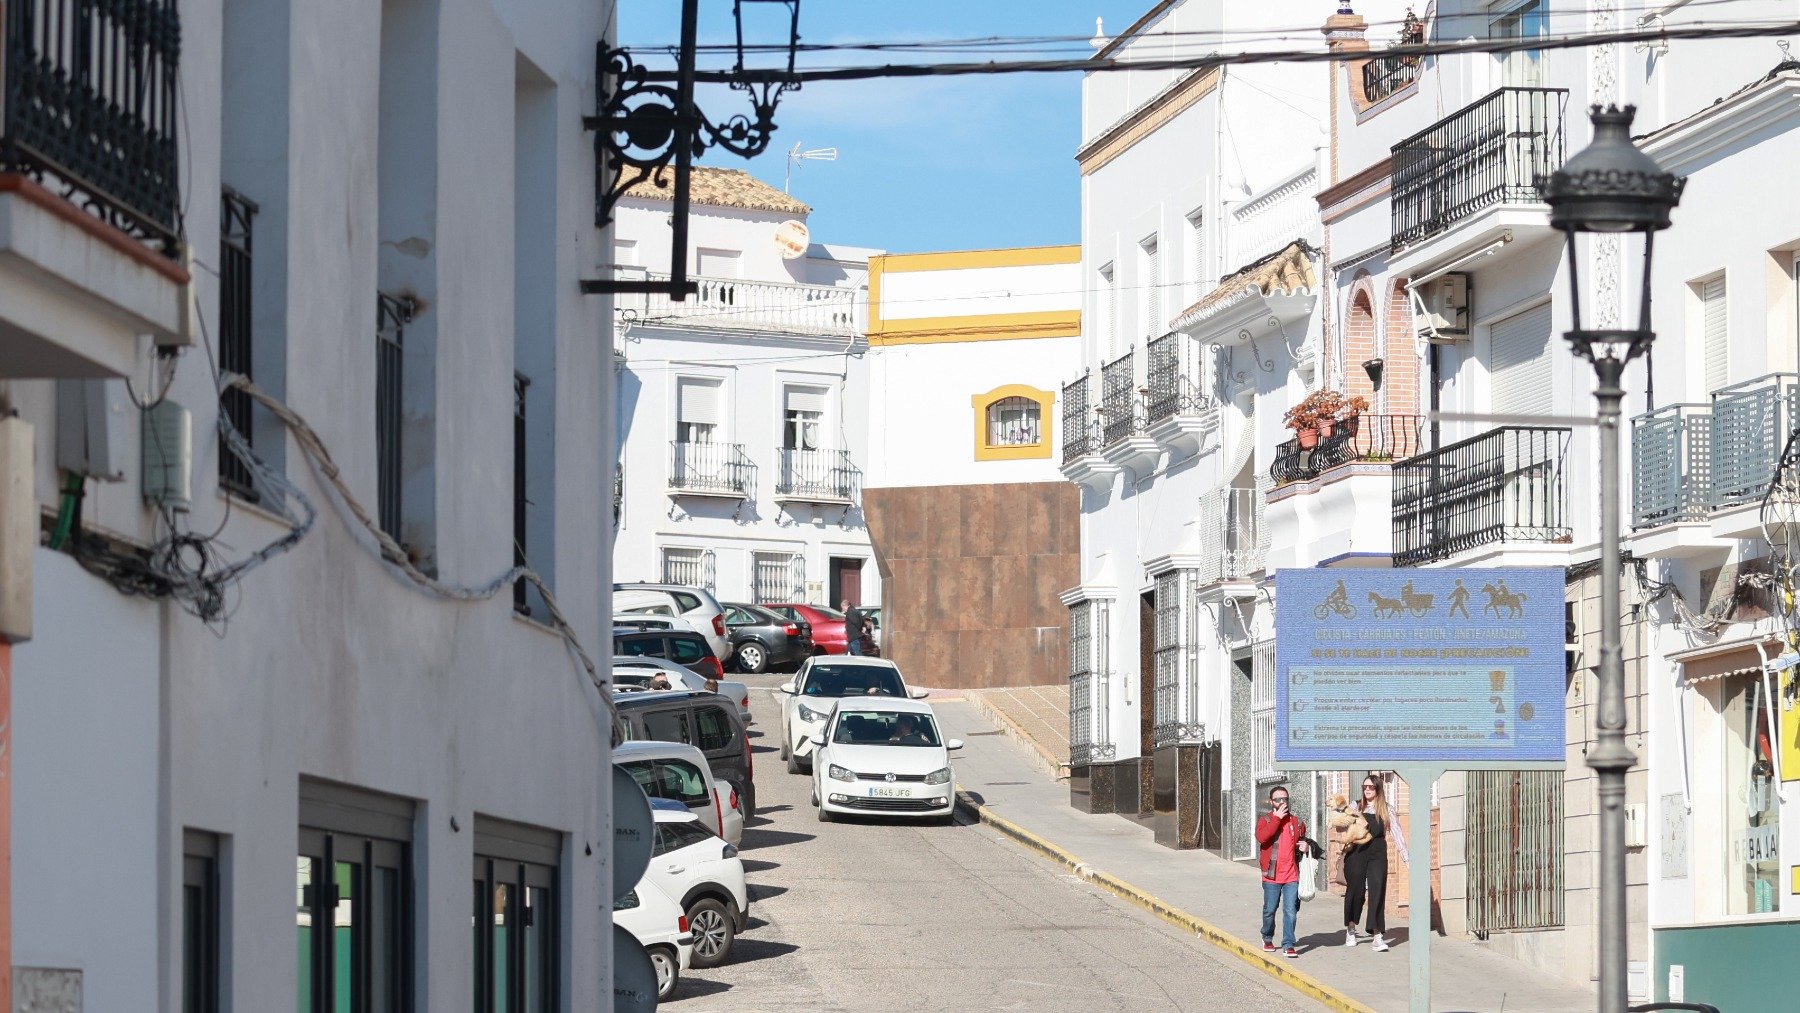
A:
(1459, 598)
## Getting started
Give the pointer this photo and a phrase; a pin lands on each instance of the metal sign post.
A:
(1419, 672)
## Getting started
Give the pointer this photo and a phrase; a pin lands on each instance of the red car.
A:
(827, 625)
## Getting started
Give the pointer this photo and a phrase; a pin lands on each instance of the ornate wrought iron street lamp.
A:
(1611, 187)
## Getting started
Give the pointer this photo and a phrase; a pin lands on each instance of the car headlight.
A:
(837, 773)
(941, 776)
(808, 714)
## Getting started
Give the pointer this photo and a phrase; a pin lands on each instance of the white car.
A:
(679, 772)
(630, 669)
(884, 756)
(693, 608)
(704, 875)
(662, 929)
(807, 698)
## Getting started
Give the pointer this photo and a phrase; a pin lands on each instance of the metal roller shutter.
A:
(1519, 361)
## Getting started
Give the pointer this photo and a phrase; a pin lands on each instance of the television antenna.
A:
(795, 155)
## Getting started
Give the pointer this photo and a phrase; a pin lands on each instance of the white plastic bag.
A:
(1309, 876)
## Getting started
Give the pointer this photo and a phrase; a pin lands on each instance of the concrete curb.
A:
(1278, 969)
(1058, 769)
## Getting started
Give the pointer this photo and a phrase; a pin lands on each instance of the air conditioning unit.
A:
(1441, 307)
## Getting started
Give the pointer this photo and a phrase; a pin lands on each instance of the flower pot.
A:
(1350, 425)
(1326, 428)
(1309, 438)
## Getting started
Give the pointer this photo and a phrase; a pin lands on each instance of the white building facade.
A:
(742, 416)
(1200, 258)
(252, 761)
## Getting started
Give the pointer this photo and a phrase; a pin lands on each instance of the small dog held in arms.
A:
(1347, 822)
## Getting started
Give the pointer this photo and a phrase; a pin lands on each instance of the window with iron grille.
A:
(1081, 683)
(393, 313)
(1515, 849)
(1168, 658)
(234, 336)
(1262, 710)
(773, 576)
(1014, 422)
(681, 566)
(521, 589)
(1104, 747)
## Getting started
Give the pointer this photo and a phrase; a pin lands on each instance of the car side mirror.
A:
(786, 687)
(818, 740)
(918, 694)
(954, 744)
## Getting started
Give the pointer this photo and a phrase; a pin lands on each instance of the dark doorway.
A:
(846, 581)
(1147, 703)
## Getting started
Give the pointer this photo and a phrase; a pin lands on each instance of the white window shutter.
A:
(806, 399)
(1717, 337)
(697, 402)
(1519, 363)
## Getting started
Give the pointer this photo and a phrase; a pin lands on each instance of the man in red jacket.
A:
(1280, 836)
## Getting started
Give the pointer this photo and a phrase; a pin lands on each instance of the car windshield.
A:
(887, 728)
(854, 680)
(829, 613)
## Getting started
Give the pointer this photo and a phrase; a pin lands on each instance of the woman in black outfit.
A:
(1366, 868)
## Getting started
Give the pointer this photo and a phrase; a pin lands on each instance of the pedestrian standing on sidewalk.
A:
(1281, 839)
(854, 620)
(1366, 868)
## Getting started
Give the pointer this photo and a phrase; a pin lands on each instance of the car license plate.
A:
(890, 793)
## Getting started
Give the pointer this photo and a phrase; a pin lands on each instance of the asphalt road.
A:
(885, 915)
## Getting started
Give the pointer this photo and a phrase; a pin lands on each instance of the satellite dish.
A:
(634, 834)
(634, 977)
(792, 238)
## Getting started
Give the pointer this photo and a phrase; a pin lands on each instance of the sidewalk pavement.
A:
(1221, 901)
(1037, 715)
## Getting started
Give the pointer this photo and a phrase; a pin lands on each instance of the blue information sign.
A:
(1458, 667)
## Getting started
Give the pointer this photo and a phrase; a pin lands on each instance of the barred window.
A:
(1081, 683)
(1015, 422)
(1168, 658)
(681, 566)
(1262, 710)
(773, 577)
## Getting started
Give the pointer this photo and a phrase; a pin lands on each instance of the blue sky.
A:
(923, 164)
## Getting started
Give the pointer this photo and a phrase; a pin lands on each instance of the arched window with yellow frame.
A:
(1012, 423)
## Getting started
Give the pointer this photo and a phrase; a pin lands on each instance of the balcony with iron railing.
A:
(1360, 439)
(1120, 410)
(816, 476)
(711, 469)
(1080, 430)
(1334, 499)
(1234, 540)
(1671, 465)
(1506, 485)
(1487, 154)
(1751, 421)
(738, 304)
(1179, 408)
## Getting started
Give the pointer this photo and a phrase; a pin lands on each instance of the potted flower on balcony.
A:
(1349, 415)
(1313, 416)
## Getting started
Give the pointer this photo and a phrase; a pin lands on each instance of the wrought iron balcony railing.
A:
(710, 468)
(1372, 439)
(1750, 425)
(1180, 382)
(818, 475)
(1118, 399)
(1080, 430)
(1234, 541)
(1487, 153)
(1508, 484)
(1385, 75)
(1671, 465)
(89, 108)
(736, 304)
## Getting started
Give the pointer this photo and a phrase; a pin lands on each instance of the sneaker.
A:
(1268, 946)
(1292, 953)
(1381, 945)
(1349, 937)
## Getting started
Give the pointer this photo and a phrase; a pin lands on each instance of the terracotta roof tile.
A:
(1287, 272)
(719, 187)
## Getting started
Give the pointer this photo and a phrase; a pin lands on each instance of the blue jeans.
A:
(854, 646)
(1288, 896)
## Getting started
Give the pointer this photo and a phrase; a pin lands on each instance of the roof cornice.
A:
(1688, 144)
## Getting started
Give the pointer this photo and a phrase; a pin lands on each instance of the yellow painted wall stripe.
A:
(959, 260)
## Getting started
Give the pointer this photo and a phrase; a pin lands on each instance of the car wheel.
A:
(793, 763)
(786, 753)
(752, 657)
(668, 971)
(824, 815)
(749, 794)
(712, 924)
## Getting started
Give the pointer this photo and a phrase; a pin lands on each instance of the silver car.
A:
(693, 608)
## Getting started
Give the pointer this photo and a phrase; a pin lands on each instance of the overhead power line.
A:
(1091, 65)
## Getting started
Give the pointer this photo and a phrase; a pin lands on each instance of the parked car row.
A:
(752, 638)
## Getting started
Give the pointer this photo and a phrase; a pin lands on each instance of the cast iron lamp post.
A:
(1610, 186)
